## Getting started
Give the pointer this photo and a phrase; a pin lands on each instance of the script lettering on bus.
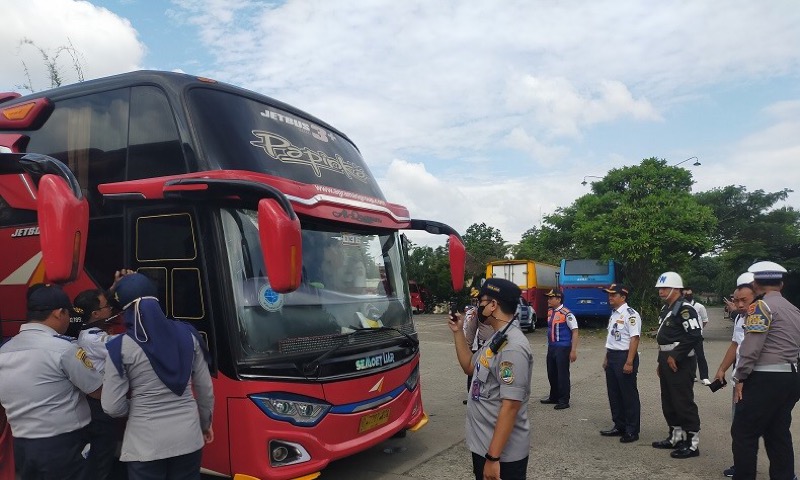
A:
(374, 361)
(25, 232)
(284, 151)
(359, 217)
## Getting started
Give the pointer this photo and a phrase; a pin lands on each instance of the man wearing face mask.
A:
(498, 430)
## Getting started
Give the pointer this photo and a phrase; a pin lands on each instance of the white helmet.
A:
(744, 279)
(766, 271)
(669, 280)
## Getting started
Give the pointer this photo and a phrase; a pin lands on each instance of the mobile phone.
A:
(453, 311)
(717, 384)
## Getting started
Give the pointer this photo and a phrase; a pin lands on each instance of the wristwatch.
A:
(491, 458)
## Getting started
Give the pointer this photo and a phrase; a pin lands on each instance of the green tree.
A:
(483, 244)
(750, 229)
(431, 267)
(540, 244)
(643, 216)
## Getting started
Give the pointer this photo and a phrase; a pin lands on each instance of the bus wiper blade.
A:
(312, 367)
(413, 340)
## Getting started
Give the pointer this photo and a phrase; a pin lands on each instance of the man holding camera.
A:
(498, 430)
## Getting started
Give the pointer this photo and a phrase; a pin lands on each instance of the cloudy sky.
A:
(474, 111)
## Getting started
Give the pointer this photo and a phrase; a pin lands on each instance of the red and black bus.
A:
(262, 226)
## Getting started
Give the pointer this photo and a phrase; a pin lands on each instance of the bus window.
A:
(187, 294)
(165, 237)
(90, 135)
(154, 144)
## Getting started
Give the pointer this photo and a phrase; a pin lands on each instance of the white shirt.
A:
(623, 324)
(94, 340)
(701, 312)
(43, 378)
(738, 336)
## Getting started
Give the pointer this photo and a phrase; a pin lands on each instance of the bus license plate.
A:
(373, 420)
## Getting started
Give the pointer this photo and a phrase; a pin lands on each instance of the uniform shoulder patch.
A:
(687, 312)
(65, 337)
(758, 318)
(632, 319)
(84, 358)
(507, 372)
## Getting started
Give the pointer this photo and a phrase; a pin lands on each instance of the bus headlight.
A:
(413, 379)
(288, 407)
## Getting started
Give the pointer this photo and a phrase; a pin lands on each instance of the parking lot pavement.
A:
(566, 443)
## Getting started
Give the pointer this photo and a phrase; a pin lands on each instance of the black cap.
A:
(500, 289)
(554, 293)
(44, 298)
(617, 288)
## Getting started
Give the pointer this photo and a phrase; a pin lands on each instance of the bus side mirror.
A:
(458, 257)
(281, 246)
(63, 227)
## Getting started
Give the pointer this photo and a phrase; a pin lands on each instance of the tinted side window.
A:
(155, 148)
(165, 237)
(90, 135)
(10, 216)
(104, 249)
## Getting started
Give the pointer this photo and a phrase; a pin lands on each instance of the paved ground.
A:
(566, 443)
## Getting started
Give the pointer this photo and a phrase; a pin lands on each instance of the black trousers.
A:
(623, 394)
(54, 458)
(508, 470)
(103, 439)
(765, 410)
(677, 393)
(182, 467)
(558, 373)
(702, 364)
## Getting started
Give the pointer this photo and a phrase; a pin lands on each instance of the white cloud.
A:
(106, 44)
(765, 159)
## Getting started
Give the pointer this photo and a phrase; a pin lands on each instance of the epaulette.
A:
(631, 311)
(566, 310)
(65, 337)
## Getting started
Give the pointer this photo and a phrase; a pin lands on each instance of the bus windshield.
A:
(585, 267)
(242, 133)
(351, 280)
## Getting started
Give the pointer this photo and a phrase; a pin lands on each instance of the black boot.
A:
(690, 447)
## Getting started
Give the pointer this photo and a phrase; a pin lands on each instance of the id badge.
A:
(617, 334)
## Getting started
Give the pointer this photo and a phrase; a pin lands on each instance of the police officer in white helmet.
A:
(678, 335)
(767, 383)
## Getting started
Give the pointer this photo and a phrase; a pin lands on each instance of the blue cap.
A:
(133, 286)
(500, 289)
(42, 298)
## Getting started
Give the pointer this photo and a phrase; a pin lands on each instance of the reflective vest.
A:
(558, 332)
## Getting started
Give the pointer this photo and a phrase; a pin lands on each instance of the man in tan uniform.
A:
(767, 382)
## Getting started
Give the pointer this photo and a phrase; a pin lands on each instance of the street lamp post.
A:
(695, 164)
(584, 182)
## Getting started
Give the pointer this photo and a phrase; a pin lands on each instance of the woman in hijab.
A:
(155, 360)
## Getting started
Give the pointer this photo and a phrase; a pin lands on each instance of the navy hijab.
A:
(167, 343)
